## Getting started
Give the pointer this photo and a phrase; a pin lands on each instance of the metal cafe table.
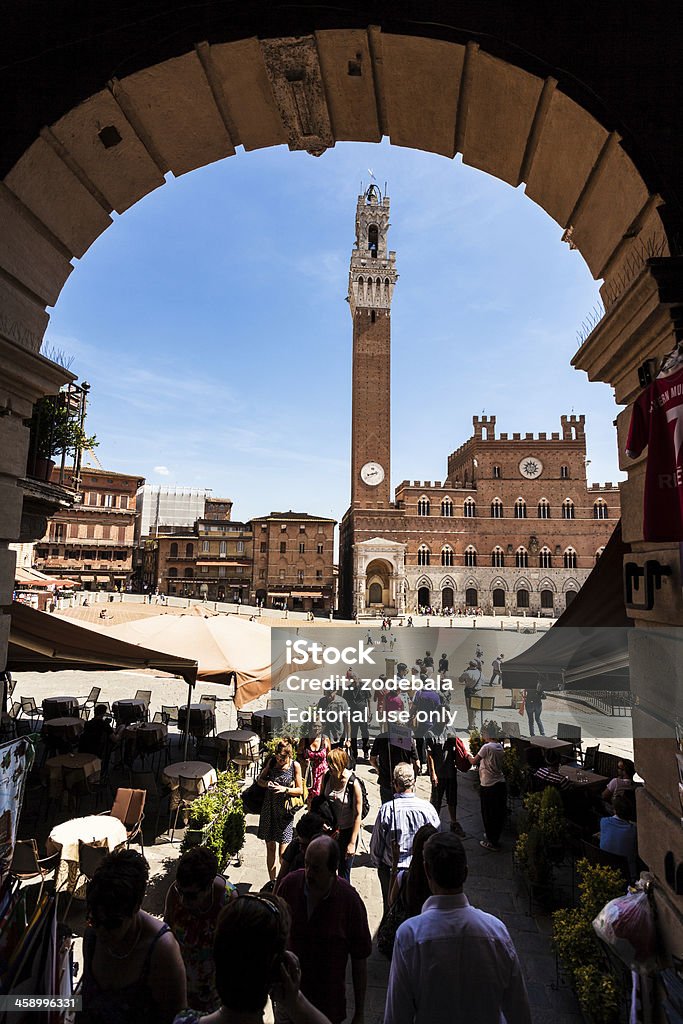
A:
(66, 729)
(581, 778)
(129, 710)
(60, 707)
(202, 719)
(94, 828)
(89, 764)
(268, 722)
(141, 738)
(549, 743)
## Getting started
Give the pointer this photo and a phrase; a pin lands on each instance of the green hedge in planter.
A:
(216, 819)
(596, 987)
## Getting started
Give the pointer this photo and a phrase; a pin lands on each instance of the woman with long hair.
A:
(253, 962)
(342, 790)
(312, 755)
(412, 884)
(280, 776)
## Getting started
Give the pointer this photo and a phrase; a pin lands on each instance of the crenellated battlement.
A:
(609, 486)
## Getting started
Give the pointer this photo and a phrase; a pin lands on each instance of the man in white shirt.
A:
(471, 677)
(397, 822)
(452, 959)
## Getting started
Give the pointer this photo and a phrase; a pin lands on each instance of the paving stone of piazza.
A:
(490, 886)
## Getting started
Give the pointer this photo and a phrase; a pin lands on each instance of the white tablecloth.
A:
(200, 771)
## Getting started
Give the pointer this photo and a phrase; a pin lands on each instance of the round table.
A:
(202, 719)
(268, 722)
(143, 738)
(88, 763)
(59, 707)
(237, 736)
(129, 710)
(68, 729)
(64, 838)
(203, 774)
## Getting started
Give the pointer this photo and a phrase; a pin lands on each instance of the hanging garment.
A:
(657, 421)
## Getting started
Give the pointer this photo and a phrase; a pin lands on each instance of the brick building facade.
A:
(93, 541)
(514, 526)
(294, 562)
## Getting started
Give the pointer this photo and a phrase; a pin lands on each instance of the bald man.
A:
(329, 925)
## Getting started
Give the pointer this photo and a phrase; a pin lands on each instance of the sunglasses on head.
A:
(273, 907)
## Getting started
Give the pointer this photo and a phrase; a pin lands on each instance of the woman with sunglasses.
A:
(281, 775)
(252, 962)
(133, 972)
(193, 904)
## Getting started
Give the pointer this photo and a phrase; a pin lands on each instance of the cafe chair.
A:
(594, 855)
(245, 720)
(84, 713)
(510, 729)
(245, 755)
(30, 709)
(156, 794)
(170, 714)
(146, 696)
(209, 698)
(90, 856)
(188, 791)
(26, 864)
(571, 734)
(158, 718)
(275, 705)
(129, 808)
(75, 787)
(589, 757)
(213, 752)
(91, 700)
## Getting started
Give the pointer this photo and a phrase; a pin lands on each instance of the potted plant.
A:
(578, 948)
(55, 430)
(540, 842)
(216, 819)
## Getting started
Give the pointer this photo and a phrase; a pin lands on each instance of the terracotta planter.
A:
(43, 468)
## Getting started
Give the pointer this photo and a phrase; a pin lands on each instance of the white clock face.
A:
(372, 474)
(531, 467)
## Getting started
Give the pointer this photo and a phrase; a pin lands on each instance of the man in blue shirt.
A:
(619, 835)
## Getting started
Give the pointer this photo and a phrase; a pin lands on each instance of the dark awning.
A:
(39, 642)
(588, 645)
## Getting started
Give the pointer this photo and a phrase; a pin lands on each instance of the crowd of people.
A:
(219, 955)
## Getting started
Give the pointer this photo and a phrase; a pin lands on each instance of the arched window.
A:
(447, 555)
(189, 550)
(499, 598)
(497, 558)
(545, 558)
(496, 473)
(423, 555)
(568, 509)
(496, 509)
(569, 597)
(373, 239)
(570, 558)
(522, 598)
(423, 506)
(174, 550)
(471, 597)
(471, 556)
(598, 554)
(375, 593)
(600, 509)
(446, 507)
(173, 572)
(469, 508)
(520, 509)
(564, 472)
(522, 558)
(543, 509)
(189, 573)
(547, 599)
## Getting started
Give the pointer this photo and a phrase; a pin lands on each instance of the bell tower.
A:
(372, 276)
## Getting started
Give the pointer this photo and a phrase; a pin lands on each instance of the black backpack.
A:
(365, 807)
(325, 807)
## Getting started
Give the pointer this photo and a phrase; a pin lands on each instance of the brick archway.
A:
(499, 95)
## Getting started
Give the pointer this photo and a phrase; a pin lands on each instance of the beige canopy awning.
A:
(40, 642)
(222, 645)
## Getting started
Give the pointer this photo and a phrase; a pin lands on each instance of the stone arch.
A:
(522, 583)
(448, 581)
(499, 584)
(547, 584)
(571, 584)
(424, 581)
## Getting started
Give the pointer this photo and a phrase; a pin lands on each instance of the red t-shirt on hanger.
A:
(657, 421)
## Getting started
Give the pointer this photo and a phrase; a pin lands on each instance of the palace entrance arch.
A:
(98, 113)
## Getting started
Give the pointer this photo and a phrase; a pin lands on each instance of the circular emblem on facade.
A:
(531, 467)
(372, 474)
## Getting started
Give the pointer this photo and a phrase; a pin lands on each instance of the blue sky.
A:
(211, 323)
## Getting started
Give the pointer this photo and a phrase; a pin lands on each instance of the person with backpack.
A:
(343, 791)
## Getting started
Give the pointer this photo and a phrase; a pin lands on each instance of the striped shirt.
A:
(399, 819)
